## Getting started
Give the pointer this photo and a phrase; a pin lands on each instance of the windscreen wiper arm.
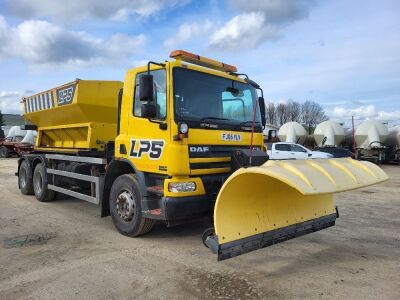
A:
(212, 118)
(249, 123)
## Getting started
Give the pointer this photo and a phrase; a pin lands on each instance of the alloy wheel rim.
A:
(125, 206)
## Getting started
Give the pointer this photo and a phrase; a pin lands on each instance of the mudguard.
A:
(280, 200)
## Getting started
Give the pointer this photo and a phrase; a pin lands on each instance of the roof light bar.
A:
(202, 61)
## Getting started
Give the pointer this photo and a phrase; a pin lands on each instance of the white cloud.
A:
(188, 31)
(259, 21)
(10, 102)
(41, 43)
(243, 31)
(365, 112)
(72, 10)
(276, 11)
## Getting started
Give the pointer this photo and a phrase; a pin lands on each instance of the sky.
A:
(342, 54)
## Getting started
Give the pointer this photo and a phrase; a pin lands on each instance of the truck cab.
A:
(179, 122)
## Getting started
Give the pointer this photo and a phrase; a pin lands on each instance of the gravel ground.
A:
(64, 250)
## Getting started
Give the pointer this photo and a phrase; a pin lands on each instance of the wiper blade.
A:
(249, 123)
(212, 118)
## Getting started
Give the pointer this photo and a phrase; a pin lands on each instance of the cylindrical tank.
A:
(328, 133)
(292, 132)
(371, 133)
(30, 137)
(16, 134)
(393, 138)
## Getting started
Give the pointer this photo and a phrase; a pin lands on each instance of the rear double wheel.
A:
(4, 152)
(126, 208)
(40, 187)
(25, 179)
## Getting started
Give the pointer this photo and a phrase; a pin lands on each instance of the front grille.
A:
(210, 165)
(208, 159)
(205, 151)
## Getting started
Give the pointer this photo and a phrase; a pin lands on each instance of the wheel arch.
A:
(116, 168)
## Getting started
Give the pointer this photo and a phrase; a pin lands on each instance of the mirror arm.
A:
(153, 63)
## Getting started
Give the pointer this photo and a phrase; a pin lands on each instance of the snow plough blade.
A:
(280, 200)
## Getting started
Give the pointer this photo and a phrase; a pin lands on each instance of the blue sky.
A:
(342, 54)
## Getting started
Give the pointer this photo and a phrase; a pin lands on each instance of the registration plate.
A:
(231, 137)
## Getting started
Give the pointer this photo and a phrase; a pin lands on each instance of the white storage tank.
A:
(16, 134)
(371, 133)
(292, 132)
(328, 133)
(30, 137)
(393, 138)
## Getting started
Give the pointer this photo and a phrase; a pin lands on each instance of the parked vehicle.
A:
(177, 140)
(284, 150)
(337, 152)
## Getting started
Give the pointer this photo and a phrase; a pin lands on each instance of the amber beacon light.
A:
(202, 61)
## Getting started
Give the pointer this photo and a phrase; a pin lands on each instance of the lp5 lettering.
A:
(152, 148)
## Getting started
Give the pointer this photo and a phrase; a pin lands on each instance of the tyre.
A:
(42, 193)
(209, 232)
(4, 152)
(126, 207)
(24, 179)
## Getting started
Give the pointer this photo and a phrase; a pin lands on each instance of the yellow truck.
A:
(175, 141)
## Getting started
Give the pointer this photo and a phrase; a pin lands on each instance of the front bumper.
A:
(177, 208)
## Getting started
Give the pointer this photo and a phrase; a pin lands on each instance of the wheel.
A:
(42, 193)
(209, 232)
(126, 207)
(24, 180)
(4, 152)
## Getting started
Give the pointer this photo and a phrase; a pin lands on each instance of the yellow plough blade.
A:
(280, 200)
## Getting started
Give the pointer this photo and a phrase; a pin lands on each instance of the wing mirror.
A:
(149, 110)
(146, 88)
(146, 94)
(261, 103)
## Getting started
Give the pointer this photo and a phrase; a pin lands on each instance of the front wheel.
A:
(126, 208)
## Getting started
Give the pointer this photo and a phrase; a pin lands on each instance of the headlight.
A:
(181, 187)
(183, 128)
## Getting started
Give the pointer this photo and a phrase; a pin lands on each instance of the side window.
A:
(160, 94)
(297, 148)
(282, 147)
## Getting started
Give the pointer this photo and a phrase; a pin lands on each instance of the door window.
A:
(160, 94)
(282, 147)
(297, 148)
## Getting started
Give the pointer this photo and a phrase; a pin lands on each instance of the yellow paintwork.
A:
(88, 122)
(175, 156)
(282, 193)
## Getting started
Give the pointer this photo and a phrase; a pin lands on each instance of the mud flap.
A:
(261, 206)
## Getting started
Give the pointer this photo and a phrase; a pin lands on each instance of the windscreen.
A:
(201, 97)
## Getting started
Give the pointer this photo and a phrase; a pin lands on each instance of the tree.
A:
(270, 113)
(312, 113)
(293, 111)
(281, 114)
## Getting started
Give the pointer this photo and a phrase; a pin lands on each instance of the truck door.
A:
(298, 152)
(282, 151)
(147, 138)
